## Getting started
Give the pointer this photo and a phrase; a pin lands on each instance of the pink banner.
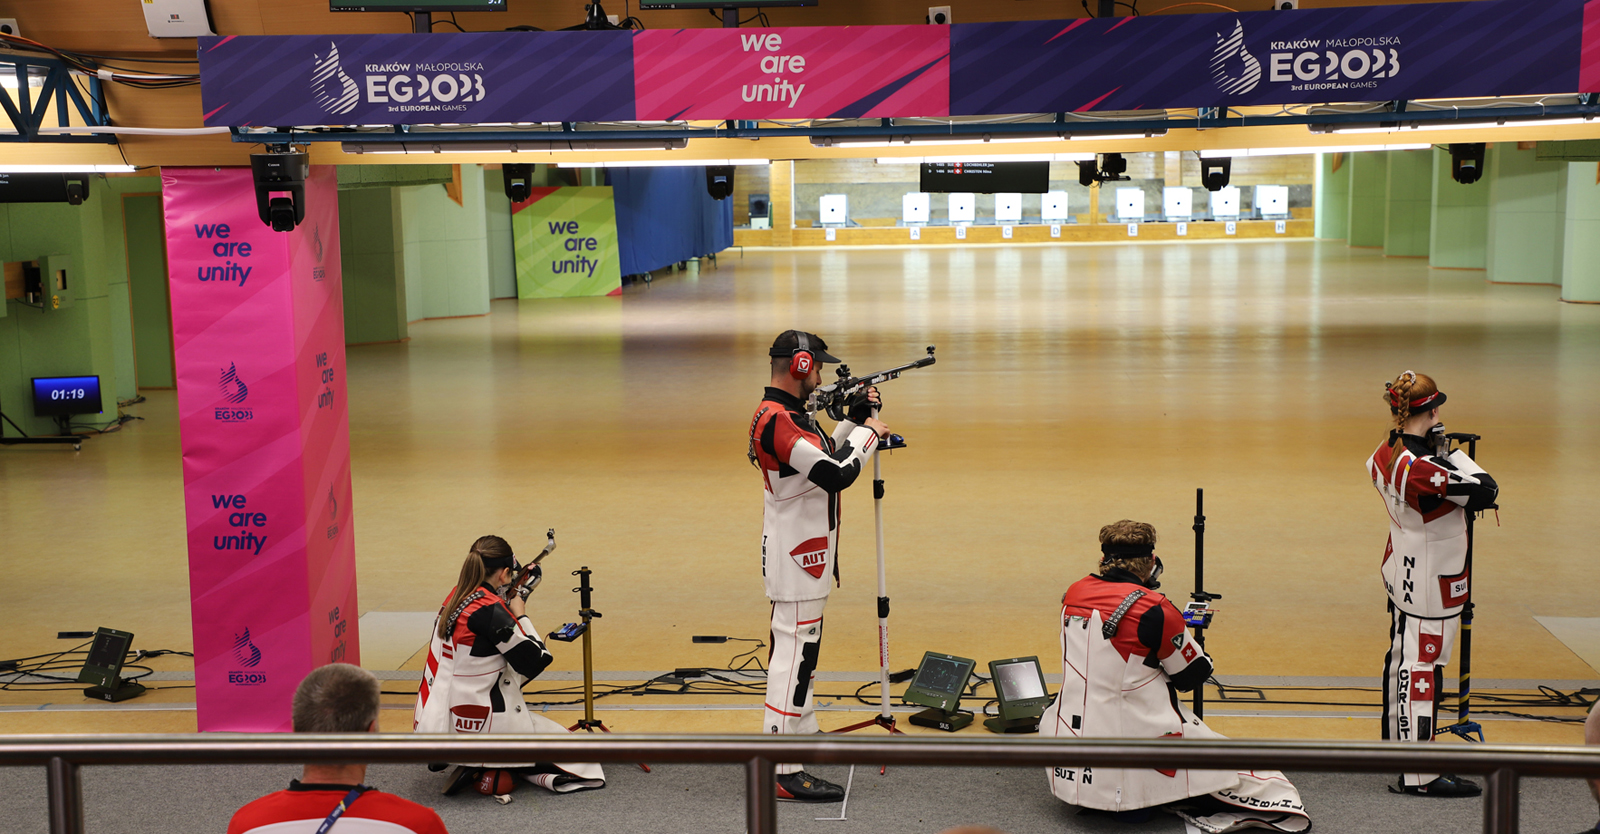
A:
(258, 338)
(1589, 55)
(816, 72)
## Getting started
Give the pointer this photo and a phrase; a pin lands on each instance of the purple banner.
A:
(417, 79)
(1370, 53)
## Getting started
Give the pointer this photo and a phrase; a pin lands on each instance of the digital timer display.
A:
(59, 396)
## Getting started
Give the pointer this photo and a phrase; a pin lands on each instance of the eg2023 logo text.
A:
(248, 656)
(234, 392)
(1305, 64)
(434, 86)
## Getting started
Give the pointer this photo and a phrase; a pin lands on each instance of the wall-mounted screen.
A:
(60, 396)
(718, 4)
(986, 177)
(416, 6)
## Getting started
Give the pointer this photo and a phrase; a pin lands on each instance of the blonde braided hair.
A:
(1399, 394)
(1407, 387)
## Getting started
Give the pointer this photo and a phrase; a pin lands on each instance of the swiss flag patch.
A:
(812, 556)
(1422, 685)
(1188, 652)
(1428, 647)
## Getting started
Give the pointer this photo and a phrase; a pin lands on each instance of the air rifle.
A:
(835, 397)
(529, 576)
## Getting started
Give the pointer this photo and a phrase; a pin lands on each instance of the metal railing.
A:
(1502, 764)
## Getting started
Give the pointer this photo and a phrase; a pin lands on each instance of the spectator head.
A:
(337, 698)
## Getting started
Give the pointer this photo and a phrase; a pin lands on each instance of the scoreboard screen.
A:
(986, 177)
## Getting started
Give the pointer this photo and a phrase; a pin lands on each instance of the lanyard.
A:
(338, 810)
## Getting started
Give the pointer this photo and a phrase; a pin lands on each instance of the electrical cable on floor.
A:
(14, 671)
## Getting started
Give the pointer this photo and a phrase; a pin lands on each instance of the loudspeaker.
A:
(518, 180)
(1214, 173)
(1466, 162)
(281, 187)
(719, 181)
(1086, 173)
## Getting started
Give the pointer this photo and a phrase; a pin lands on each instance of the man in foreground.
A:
(337, 698)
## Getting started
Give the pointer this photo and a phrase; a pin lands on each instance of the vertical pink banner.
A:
(258, 337)
(1589, 50)
(815, 72)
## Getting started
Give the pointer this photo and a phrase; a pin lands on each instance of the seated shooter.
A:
(1125, 654)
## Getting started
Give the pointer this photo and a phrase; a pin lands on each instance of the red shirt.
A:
(302, 808)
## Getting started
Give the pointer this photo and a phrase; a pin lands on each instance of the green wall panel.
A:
(1527, 211)
(1369, 174)
(445, 249)
(1580, 267)
(77, 339)
(502, 257)
(147, 287)
(1408, 204)
(370, 247)
(1459, 225)
(1333, 197)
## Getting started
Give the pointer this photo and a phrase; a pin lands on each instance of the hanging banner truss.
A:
(1354, 54)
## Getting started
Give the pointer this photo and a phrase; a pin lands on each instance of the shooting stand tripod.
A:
(1198, 614)
(1465, 727)
(588, 722)
(884, 718)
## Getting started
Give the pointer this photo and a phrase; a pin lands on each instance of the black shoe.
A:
(461, 778)
(437, 767)
(1447, 785)
(803, 787)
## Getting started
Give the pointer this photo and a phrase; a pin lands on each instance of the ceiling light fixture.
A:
(983, 139)
(1403, 126)
(661, 163)
(67, 168)
(1238, 152)
(531, 146)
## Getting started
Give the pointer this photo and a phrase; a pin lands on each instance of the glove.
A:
(535, 576)
(860, 408)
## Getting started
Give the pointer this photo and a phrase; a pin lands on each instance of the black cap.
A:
(789, 341)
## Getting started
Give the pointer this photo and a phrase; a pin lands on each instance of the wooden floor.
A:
(1076, 385)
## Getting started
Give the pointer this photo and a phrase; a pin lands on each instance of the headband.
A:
(492, 564)
(1421, 402)
(1130, 551)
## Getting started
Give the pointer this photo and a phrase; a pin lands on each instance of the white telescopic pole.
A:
(883, 586)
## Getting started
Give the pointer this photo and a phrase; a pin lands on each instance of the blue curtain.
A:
(664, 215)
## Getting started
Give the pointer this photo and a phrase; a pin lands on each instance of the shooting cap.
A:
(788, 342)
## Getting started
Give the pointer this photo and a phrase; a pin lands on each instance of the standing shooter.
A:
(804, 470)
(1428, 494)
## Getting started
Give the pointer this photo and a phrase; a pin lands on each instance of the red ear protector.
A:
(801, 361)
